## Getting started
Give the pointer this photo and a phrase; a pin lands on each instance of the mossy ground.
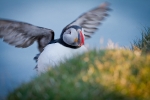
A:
(95, 75)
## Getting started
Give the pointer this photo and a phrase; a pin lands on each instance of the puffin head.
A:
(73, 36)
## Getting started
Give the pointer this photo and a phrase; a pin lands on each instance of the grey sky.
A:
(122, 26)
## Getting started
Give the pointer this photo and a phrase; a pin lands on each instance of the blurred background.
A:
(125, 23)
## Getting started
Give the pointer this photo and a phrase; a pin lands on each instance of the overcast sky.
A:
(125, 23)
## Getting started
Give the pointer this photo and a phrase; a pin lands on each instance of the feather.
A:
(20, 34)
(90, 20)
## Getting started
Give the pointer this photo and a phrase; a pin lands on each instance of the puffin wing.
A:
(20, 34)
(90, 20)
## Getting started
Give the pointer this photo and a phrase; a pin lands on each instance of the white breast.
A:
(55, 53)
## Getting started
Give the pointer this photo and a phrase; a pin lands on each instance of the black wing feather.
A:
(22, 34)
(90, 20)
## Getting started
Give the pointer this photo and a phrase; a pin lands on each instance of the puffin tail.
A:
(36, 57)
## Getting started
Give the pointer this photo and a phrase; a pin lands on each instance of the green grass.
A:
(143, 44)
(96, 75)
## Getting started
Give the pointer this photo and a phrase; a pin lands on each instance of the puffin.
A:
(53, 51)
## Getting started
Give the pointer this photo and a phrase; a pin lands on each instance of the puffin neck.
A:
(67, 45)
(63, 43)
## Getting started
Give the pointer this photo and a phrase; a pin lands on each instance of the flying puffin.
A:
(53, 51)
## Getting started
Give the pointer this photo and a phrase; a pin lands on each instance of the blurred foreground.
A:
(96, 75)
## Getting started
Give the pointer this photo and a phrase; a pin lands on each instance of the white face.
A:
(73, 37)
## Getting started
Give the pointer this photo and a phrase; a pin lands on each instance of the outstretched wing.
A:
(22, 34)
(90, 20)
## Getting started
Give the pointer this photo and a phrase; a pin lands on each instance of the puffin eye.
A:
(69, 32)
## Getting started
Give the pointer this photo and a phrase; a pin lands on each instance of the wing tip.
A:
(104, 4)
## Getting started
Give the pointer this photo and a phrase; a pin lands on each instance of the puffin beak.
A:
(81, 37)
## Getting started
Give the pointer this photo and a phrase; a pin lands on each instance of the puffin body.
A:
(53, 51)
(71, 43)
(54, 54)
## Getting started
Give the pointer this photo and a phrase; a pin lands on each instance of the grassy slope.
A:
(96, 75)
